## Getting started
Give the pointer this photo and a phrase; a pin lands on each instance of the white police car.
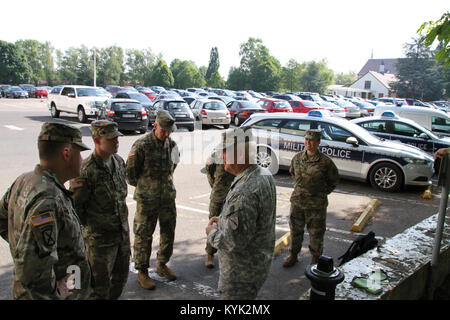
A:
(358, 155)
(390, 126)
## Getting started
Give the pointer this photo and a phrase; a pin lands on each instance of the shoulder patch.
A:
(42, 218)
(76, 183)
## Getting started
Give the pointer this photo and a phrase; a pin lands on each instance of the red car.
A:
(275, 105)
(148, 92)
(41, 92)
(305, 106)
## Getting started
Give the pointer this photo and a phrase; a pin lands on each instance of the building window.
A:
(380, 95)
(367, 85)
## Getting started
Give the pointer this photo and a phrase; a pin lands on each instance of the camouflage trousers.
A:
(239, 291)
(315, 221)
(110, 266)
(214, 211)
(147, 215)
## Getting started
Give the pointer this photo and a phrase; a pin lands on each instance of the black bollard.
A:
(324, 278)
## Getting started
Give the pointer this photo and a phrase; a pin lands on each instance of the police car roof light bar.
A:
(315, 113)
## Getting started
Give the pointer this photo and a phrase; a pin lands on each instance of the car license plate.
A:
(179, 115)
(128, 116)
(216, 120)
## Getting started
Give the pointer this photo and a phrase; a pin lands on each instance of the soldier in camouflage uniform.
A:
(38, 220)
(220, 181)
(244, 233)
(100, 201)
(315, 176)
(150, 166)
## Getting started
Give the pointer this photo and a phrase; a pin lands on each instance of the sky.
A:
(346, 33)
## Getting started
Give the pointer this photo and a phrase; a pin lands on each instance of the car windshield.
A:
(281, 104)
(309, 103)
(139, 97)
(89, 92)
(214, 106)
(178, 105)
(122, 106)
(249, 104)
(16, 89)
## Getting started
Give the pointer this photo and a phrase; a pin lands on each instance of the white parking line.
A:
(13, 128)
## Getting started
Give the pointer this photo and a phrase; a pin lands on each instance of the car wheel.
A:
(236, 121)
(226, 126)
(54, 111)
(266, 159)
(191, 128)
(386, 177)
(81, 115)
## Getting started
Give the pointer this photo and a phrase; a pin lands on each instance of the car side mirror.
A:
(423, 135)
(353, 141)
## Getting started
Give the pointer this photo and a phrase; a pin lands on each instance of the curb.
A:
(282, 243)
(364, 217)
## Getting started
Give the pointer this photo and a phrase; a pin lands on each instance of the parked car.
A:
(16, 92)
(309, 96)
(305, 106)
(157, 89)
(365, 108)
(41, 92)
(351, 110)
(242, 110)
(211, 112)
(287, 97)
(358, 154)
(4, 88)
(31, 89)
(224, 92)
(142, 98)
(178, 108)
(113, 89)
(390, 126)
(275, 105)
(224, 99)
(391, 100)
(434, 120)
(129, 114)
(148, 92)
(85, 101)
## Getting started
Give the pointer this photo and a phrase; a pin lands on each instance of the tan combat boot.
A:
(145, 281)
(164, 271)
(290, 261)
(209, 263)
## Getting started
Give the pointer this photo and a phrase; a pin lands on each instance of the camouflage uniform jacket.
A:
(150, 168)
(38, 220)
(219, 179)
(100, 200)
(314, 178)
(245, 236)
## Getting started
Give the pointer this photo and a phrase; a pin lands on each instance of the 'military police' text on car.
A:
(358, 155)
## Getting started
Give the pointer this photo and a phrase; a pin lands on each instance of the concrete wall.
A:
(406, 260)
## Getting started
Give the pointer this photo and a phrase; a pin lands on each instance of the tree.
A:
(186, 74)
(439, 30)
(345, 78)
(237, 78)
(31, 49)
(139, 65)
(214, 64)
(14, 68)
(290, 76)
(48, 64)
(419, 75)
(161, 75)
(316, 77)
(111, 66)
(258, 70)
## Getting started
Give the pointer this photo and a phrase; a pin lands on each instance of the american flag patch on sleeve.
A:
(76, 183)
(42, 218)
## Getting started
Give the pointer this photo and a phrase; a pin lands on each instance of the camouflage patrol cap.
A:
(105, 128)
(313, 134)
(165, 120)
(236, 137)
(60, 132)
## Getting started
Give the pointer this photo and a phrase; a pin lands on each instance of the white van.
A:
(434, 120)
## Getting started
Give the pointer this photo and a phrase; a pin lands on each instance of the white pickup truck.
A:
(84, 101)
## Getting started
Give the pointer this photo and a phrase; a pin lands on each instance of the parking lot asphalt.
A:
(20, 122)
